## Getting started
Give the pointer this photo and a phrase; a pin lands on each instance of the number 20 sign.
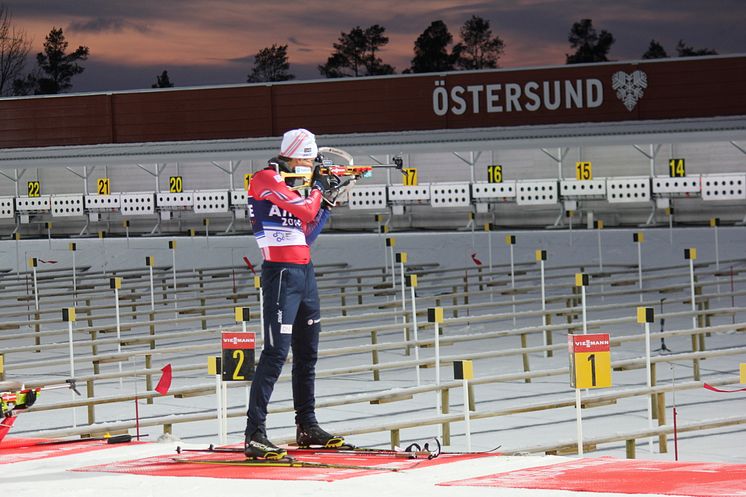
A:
(238, 356)
(590, 360)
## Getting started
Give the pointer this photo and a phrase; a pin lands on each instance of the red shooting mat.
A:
(166, 466)
(628, 476)
(14, 450)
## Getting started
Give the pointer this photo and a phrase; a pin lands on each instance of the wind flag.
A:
(165, 382)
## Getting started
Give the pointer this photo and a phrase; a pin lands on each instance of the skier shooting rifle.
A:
(344, 174)
(14, 396)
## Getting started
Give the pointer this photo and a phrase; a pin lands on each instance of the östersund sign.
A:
(533, 96)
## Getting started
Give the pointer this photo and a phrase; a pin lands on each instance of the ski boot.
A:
(314, 436)
(258, 446)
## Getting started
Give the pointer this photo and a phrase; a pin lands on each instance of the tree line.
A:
(356, 53)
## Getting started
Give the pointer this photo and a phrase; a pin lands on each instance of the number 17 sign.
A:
(590, 360)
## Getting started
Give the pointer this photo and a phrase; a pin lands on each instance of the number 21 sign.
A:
(590, 360)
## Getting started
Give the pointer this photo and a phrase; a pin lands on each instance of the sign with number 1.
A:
(590, 360)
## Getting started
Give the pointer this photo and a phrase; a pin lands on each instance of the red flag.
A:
(710, 387)
(165, 382)
(476, 261)
(248, 263)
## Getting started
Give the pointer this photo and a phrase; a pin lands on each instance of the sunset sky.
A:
(213, 42)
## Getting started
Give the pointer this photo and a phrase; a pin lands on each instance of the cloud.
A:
(106, 24)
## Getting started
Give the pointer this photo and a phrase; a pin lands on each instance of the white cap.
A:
(299, 144)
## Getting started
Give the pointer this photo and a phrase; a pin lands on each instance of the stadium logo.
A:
(629, 87)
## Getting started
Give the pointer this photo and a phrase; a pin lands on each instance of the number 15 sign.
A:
(590, 360)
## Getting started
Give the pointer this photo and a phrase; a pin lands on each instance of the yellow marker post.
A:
(435, 316)
(510, 241)
(582, 280)
(690, 254)
(645, 315)
(33, 263)
(639, 238)
(243, 315)
(541, 256)
(742, 369)
(391, 243)
(401, 258)
(464, 371)
(68, 316)
(412, 284)
(115, 284)
(172, 247)
(74, 248)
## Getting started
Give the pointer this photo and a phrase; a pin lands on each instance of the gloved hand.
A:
(328, 185)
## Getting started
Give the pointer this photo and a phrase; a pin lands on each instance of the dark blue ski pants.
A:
(291, 319)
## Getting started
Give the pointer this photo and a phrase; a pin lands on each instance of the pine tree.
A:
(57, 67)
(478, 48)
(356, 54)
(589, 45)
(162, 81)
(685, 50)
(431, 50)
(655, 51)
(271, 64)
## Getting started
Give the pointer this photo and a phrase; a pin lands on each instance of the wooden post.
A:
(374, 355)
(343, 300)
(94, 348)
(526, 367)
(359, 290)
(91, 406)
(455, 302)
(89, 312)
(661, 405)
(630, 445)
(134, 304)
(395, 438)
(149, 377)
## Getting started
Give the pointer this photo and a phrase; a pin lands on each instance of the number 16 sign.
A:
(590, 360)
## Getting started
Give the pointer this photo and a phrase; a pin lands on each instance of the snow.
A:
(661, 248)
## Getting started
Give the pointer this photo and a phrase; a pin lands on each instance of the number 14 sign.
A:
(590, 360)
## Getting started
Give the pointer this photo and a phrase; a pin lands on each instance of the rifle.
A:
(326, 166)
(15, 396)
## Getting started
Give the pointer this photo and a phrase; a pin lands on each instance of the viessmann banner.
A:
(681, 88)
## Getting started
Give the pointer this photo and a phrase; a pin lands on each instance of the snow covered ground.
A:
(512, 433)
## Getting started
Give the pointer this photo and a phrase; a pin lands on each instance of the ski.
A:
(285, 462)
(414, 451)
